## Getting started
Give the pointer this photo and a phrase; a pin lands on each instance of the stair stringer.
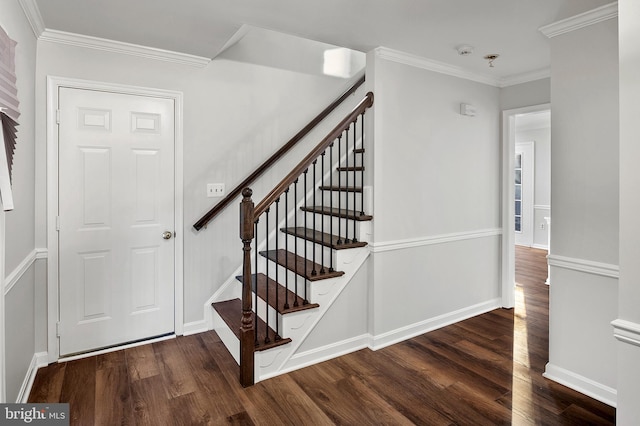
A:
(299, 326)
(296, 325)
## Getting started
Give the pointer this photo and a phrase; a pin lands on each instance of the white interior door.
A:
(116, 218)
(524, 193)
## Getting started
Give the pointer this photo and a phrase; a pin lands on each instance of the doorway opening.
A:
(526, 187)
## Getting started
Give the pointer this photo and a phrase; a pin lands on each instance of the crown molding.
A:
(435, 66)
(113, 46)
(525, 77)
(599, 14)
(456, 71)
(32, 12)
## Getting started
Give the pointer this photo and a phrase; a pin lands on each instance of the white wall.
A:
(235, 115)
(628, 411)
(584, 199)
(436, 199)
(542, 178)
(532, 93)
(19, 242)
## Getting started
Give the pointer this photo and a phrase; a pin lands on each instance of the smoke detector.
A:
(464, 50)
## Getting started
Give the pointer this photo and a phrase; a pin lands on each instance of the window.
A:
(518, 192)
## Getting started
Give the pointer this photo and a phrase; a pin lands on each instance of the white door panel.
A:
(116, 198)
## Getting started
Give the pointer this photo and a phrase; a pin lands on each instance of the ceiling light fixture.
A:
(464, 50)
(492, 57)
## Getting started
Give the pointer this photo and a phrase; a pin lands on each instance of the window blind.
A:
(9, 114)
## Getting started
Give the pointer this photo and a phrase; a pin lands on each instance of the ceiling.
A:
(430, 29)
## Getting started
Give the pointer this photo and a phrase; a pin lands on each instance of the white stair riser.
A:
(339, 226)
(342, 198)
(226, 335)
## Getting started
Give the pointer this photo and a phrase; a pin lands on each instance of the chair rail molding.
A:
(433, 239)
(13, 278)
(586, 266)
(626, 331)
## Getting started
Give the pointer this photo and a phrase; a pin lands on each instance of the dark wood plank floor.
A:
(486, 370)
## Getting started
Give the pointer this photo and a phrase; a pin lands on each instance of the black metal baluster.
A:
(346, 188)
(362, 164)
(255, 283)
(331, 206)
(322, 270)
(355, 126)
(295, 241)
(339, 189)
(266, 233)
(313, 271)
(305, 242)
(286, 248)
(277, 281)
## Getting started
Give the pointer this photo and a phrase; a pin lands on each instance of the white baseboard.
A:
(334, 350)
(395, 336)
(39, 359)
(194, 327)
(540, 246)
(581, 384)
(324, 353)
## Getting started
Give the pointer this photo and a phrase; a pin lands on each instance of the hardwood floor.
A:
(486, 370)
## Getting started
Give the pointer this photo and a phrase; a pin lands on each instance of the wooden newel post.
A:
(247, 332)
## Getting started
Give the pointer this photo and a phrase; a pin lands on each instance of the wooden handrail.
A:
(232, 195)
(271, 197)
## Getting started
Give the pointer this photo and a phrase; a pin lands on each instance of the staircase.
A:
(309, 238)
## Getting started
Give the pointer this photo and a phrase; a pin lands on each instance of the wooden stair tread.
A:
(231, 312)
(343, 213)
(350, 169)
(322, 238)
(296, 263)
(296, 303)
(341, 188)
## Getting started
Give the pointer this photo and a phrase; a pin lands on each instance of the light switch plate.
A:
(215, 190)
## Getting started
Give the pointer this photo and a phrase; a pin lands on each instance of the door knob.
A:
(167, 235)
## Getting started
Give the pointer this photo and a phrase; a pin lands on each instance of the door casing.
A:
(53, 84)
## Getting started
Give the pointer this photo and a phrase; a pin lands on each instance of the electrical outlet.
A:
(215, 189)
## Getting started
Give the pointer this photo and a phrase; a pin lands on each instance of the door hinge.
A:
(57, 223)
(57, 116)
(58, 329)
